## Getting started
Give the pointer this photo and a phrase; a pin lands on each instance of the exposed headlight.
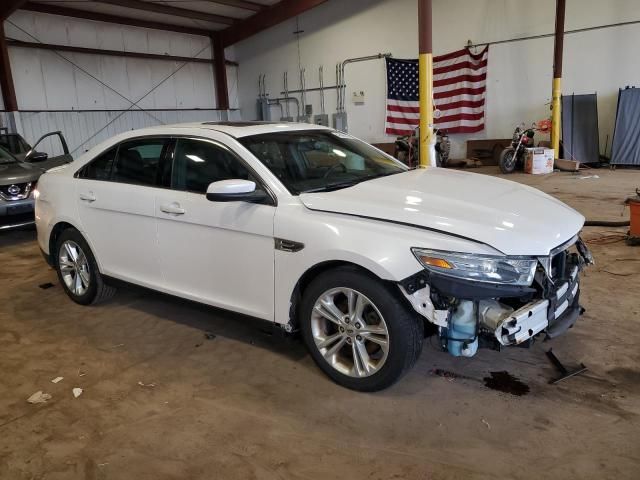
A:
(479, 268)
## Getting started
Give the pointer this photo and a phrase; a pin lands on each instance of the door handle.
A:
(88, 197)
(172, 209)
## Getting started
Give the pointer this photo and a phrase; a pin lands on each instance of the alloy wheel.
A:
(350, 332)
(74, 268)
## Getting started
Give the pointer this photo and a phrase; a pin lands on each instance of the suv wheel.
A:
(78, 271)
(357, 331)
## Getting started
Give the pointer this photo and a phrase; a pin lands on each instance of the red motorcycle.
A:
(513, 156)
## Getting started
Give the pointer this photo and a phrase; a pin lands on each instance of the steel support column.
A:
(425, 67)
(220, 72)
(556, 89)
(6, 79)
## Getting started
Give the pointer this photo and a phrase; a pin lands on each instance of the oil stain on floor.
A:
(507, 383)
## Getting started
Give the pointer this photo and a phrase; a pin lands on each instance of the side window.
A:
(100, 167)
(198, 163)
(138, 161)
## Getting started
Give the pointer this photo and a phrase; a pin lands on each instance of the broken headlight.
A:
(479, 268)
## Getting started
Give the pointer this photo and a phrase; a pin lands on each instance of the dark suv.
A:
(20, 167)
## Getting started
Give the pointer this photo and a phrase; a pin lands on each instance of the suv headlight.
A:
(479, 268)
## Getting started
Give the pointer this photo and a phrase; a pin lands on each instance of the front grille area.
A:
(15, 191)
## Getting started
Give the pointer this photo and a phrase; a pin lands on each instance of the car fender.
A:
(306, 239)
(54, 207)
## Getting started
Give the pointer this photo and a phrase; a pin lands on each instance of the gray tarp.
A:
(580, 137)
(625, 149)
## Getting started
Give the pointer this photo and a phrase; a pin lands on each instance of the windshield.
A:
(312, 161)
(6, 157)
(14, 143)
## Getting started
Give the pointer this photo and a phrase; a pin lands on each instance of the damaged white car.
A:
(319, 232)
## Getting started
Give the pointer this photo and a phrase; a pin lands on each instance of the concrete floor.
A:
(249, 405)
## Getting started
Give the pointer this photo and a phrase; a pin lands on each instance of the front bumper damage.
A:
(502, 315)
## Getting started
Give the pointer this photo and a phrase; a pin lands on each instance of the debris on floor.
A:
(81, 373)
(57, 379)
(507, 383)
(451, 376)
(45, 286)
(77, 392)
(563, 370)
(148, 385)
(39, 397)
(486, 423)
(209, 335)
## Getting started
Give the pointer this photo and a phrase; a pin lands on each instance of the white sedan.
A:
(319, 232)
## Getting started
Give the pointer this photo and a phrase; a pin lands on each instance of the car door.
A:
(115, 197)
(48, 152)
(220, 253)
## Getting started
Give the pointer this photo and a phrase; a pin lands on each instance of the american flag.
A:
(459, 88)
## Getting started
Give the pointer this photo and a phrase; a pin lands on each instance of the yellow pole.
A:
(425, 67)
(555, 115)
(425, 78)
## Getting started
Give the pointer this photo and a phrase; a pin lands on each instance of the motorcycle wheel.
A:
(507, 161)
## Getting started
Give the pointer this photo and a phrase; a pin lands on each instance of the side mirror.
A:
(34, 156)
(235, 191)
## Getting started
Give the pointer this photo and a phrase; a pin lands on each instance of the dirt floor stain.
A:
(507, 383)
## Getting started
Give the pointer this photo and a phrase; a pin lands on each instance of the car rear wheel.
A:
(78, 271)
(358, 331)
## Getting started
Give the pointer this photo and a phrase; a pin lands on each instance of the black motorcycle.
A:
(408, 148)
(513, 157)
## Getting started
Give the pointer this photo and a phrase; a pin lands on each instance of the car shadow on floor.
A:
(21, 236)
(212, 321)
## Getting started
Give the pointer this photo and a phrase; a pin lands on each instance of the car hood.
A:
(18, 172)
(510, 217)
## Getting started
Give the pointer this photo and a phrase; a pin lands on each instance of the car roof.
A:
(245, 129)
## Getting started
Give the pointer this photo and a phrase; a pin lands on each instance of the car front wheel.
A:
(358, 331)
(78, 271)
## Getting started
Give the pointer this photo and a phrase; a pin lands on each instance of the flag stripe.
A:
(398, 108)
(460, 116)
(460, 79)
(399, 131)
(459, 66)
(460, 91)
(460, 103)
(402, 120)
(465, 52)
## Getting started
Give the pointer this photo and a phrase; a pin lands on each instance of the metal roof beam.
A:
(267, 18)
(103, 17)
(7, 7)
(252, 6)
(169, 10)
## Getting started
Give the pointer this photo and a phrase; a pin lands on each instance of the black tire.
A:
(507, 163)
(97, 290)
(405, 328)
